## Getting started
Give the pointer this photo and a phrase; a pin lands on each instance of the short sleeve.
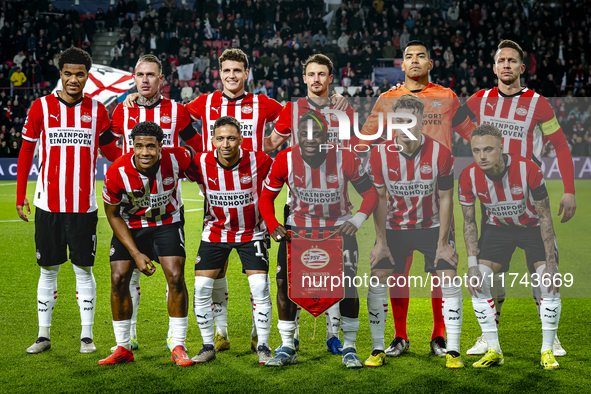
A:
(274, 109)
(193, 172)
(278, 174)
(183, 157)
(103, 123)
(353, 167)
(375, 167)
(111, 189)
(445, 162)
(535, 176)
(284, 125)
(196, 108)
(33, 124)
(465, 194)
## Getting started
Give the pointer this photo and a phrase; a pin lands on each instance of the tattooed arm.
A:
(547, 229)
(471, 241)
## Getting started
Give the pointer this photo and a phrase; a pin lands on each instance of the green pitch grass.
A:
(64, 369)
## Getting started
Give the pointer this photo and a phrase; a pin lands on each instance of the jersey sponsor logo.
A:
(69, 136)
(246, 179)
(503, 210)
(112, 251)
(426, 169)
(417, 188)
(230, 198)
(332, 178)
(315, 258)
(521, 111)
(516, 190)
(154, 201)
(319, 196)
(165, 119)
(168, 181)
(247, 109)
(436, 104)
(86, 118)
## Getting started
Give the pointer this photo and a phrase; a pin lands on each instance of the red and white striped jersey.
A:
(147, 201)
(171, 116)
(251, 110)
(232, 196)
(411, 182)
(522, 118)
(508, 200)
(68, 137)
(319, 196)
(287, 123)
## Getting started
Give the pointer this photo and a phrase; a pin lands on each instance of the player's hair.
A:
(487, 129)
(147, 129)
(512, 45)
(150, 59)
(316, 117)
(234, 54)
(74, 55)
(318, 58)
(417, 43)
(227, 120)
(410, 101)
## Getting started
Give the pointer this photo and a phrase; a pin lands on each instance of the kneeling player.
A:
(317, 164)
(514, 193)
(140, 203)
(417, 174)
(232, 179)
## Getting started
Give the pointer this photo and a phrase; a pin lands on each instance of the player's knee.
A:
(259, 287)
(49, 273)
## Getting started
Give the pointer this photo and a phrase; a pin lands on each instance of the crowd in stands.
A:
(278, 35)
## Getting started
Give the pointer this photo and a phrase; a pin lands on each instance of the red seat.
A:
(207, 42)
(192, 83)
(215, 74)
(255, 53)
(196, 74)
(216, 44)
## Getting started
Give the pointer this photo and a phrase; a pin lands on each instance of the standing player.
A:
(417, 175)
(514, 193)
(69, 128)
(142, 206)
(441, 105)
(232, 180)
(315, 164)
(525, 118)
(252, 111)
(318, 77)
(175, 122)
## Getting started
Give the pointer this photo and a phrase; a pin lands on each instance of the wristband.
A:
(358, 219)
(472, 261)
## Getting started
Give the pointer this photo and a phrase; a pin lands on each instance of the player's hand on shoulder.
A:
(379, 253)
(144, 264)
(397, 86)
(339, 102)
(347, 228)
(130, 100)
(447, 253)
(20, 211)
(281, 233)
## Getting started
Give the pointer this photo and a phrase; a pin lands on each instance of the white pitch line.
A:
(15, 220)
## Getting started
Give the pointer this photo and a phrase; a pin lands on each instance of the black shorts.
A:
(497, 244)
(350, 257)
(213, 255)
(403, 242)
(165, 240)
(56, 232)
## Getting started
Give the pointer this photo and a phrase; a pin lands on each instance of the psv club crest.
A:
(247, 109)
(315, 258)
(426, 169)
